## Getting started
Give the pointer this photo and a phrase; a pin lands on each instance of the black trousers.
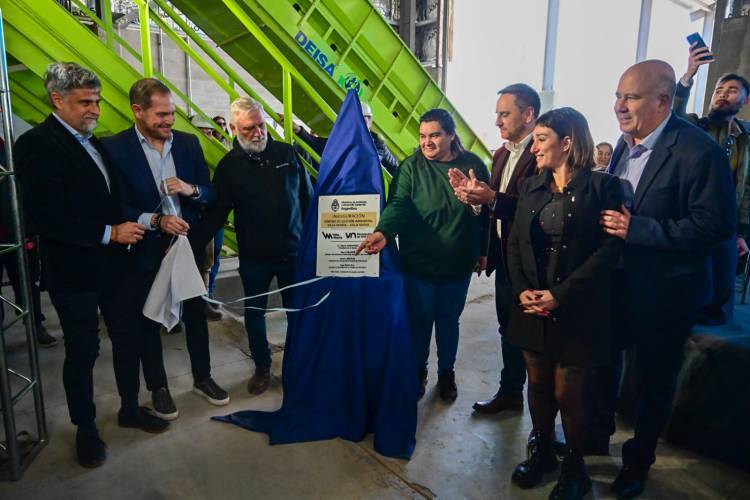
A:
(659, 352)
(135, 289)
(513, 374)
(79, 319)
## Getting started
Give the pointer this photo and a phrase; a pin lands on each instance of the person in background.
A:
(222, 123)
(9, 262)
(202, 125)
(213, 311)
(440, 241)
(387, 158)
(603, 156)
(731, 94)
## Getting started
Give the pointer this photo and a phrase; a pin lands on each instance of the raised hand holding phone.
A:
(700, 54)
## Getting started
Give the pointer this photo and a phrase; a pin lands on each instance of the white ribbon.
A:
(273, 292)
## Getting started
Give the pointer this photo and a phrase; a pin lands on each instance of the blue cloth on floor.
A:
(348, 364)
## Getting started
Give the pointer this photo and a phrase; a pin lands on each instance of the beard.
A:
(88, 126)
(722, 113)
(253, 146)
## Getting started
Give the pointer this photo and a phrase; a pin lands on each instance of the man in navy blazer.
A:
(165, 186)
(681, 203)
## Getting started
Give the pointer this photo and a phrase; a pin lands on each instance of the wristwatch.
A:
(196, 191)
(155, 221)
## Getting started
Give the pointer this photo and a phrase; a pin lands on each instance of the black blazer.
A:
(579, 331)
(139, 193)
(67, 203)
(505, 203)
(684, 204)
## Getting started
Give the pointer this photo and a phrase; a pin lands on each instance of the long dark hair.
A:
(447, 123)
(567, 122)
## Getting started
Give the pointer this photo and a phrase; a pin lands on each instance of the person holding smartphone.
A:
(730, 95)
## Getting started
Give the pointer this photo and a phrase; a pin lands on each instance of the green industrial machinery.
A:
(307, 53)
(329, 46)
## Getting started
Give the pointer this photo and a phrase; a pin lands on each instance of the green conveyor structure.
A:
(307, 53)
(331, 45)
(39, 32)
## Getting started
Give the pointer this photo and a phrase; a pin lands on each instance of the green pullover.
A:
(439, 237)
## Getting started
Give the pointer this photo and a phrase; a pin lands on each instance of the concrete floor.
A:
(458, 455)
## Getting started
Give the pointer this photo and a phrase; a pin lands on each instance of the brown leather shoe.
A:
(258, 383)
(498, 403)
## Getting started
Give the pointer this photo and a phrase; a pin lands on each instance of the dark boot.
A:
(540, 461)
(422, 383)
(447, 386)
(258, 383)
(573, 482)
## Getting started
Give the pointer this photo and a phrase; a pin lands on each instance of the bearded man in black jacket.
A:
(262, 181)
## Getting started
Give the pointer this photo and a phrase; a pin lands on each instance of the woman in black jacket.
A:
(560, 263)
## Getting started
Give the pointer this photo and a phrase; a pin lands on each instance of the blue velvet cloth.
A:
(348, 365)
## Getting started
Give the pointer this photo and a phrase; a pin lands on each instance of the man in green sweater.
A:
(733, 135)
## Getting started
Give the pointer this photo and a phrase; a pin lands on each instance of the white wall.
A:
(498, 42)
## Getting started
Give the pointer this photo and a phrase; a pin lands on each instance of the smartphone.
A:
(695, 38)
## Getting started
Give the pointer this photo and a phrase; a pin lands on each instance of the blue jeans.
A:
(218, 243)
(440, 304)
(256, 276)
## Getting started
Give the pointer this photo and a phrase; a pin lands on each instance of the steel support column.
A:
(644, 26)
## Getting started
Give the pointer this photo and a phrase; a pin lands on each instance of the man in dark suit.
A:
(682, 203)
(72, 202)
(517, 110)
(165, 187)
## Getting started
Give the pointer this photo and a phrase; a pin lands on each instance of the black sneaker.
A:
(144, 419)
(447, 386)
(43, 338)
(91, 450)
(211, 391)
(163, 404)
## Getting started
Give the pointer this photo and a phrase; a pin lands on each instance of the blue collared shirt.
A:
(632, 163)
(162, 168)
(85, 141)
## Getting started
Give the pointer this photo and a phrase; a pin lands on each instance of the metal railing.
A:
(18, 456)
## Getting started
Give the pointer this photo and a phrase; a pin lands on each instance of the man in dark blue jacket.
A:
(681, 202)
(165, 187)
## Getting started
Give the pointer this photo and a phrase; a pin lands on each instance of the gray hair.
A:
(62, 77)
(243, 105)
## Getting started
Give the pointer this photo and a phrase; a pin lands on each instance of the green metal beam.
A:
(288, 113)
(147, 57)
(279, 57)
